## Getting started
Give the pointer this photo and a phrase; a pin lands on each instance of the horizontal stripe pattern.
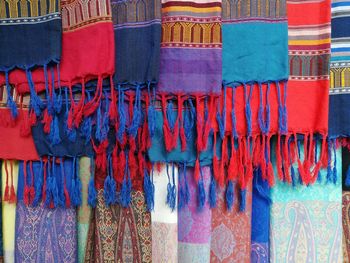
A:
(340, 30)
(309, 40)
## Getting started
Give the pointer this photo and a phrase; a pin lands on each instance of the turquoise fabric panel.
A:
(255, 52)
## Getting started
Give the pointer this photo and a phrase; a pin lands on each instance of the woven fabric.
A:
(164, 220)
(191, 44)
(306, 222)
(122, 234)
(194, 224)
(260, 234)
(1, 233)
(230, 230)
(339, 126)
(30, 33)
(82, 59)
(137, 34)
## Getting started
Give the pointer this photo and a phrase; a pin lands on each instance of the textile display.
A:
(9, 177)
(194, 224)
(306, 222)
(164, 219)
(261, 204)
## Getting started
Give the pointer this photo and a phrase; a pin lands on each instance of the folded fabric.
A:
(164, 219)
(339, 99)
(306, 221)
(130, 226)
(261, 203)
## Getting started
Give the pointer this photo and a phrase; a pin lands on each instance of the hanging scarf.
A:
(306, 221)
(83, 59)
(50, 234)
(194, 223)
(346, 225)
(31, 37)
(339, 126)
(127, 226)
(261, 203)
(164, 219)
(230, 230)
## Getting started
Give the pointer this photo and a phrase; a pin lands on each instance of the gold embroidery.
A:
(80, 13)
(19, 8)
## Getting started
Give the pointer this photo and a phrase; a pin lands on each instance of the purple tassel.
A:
(229, 195)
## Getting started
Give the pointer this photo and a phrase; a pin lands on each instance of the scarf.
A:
(164, 219)
(346, 225)
(261, 203)
(31, 37)
(43, 234)
(194, 218)
(126, 226)
(306, 221)
(83, 60)
(230, 230)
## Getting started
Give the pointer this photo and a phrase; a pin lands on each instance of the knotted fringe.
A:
(10, 194)
(110, 186)
(29, 190)
(171, 188)
(184, 191)
(75, 184)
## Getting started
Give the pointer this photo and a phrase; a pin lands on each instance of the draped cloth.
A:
(120, 233)
(339, 125)
(164, 220)
(306, 222)
(194, 224)
(346, 226)
(43, 234)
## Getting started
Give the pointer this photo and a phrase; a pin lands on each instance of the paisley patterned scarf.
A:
(43, 234)
(120, 233)
(306, 221)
